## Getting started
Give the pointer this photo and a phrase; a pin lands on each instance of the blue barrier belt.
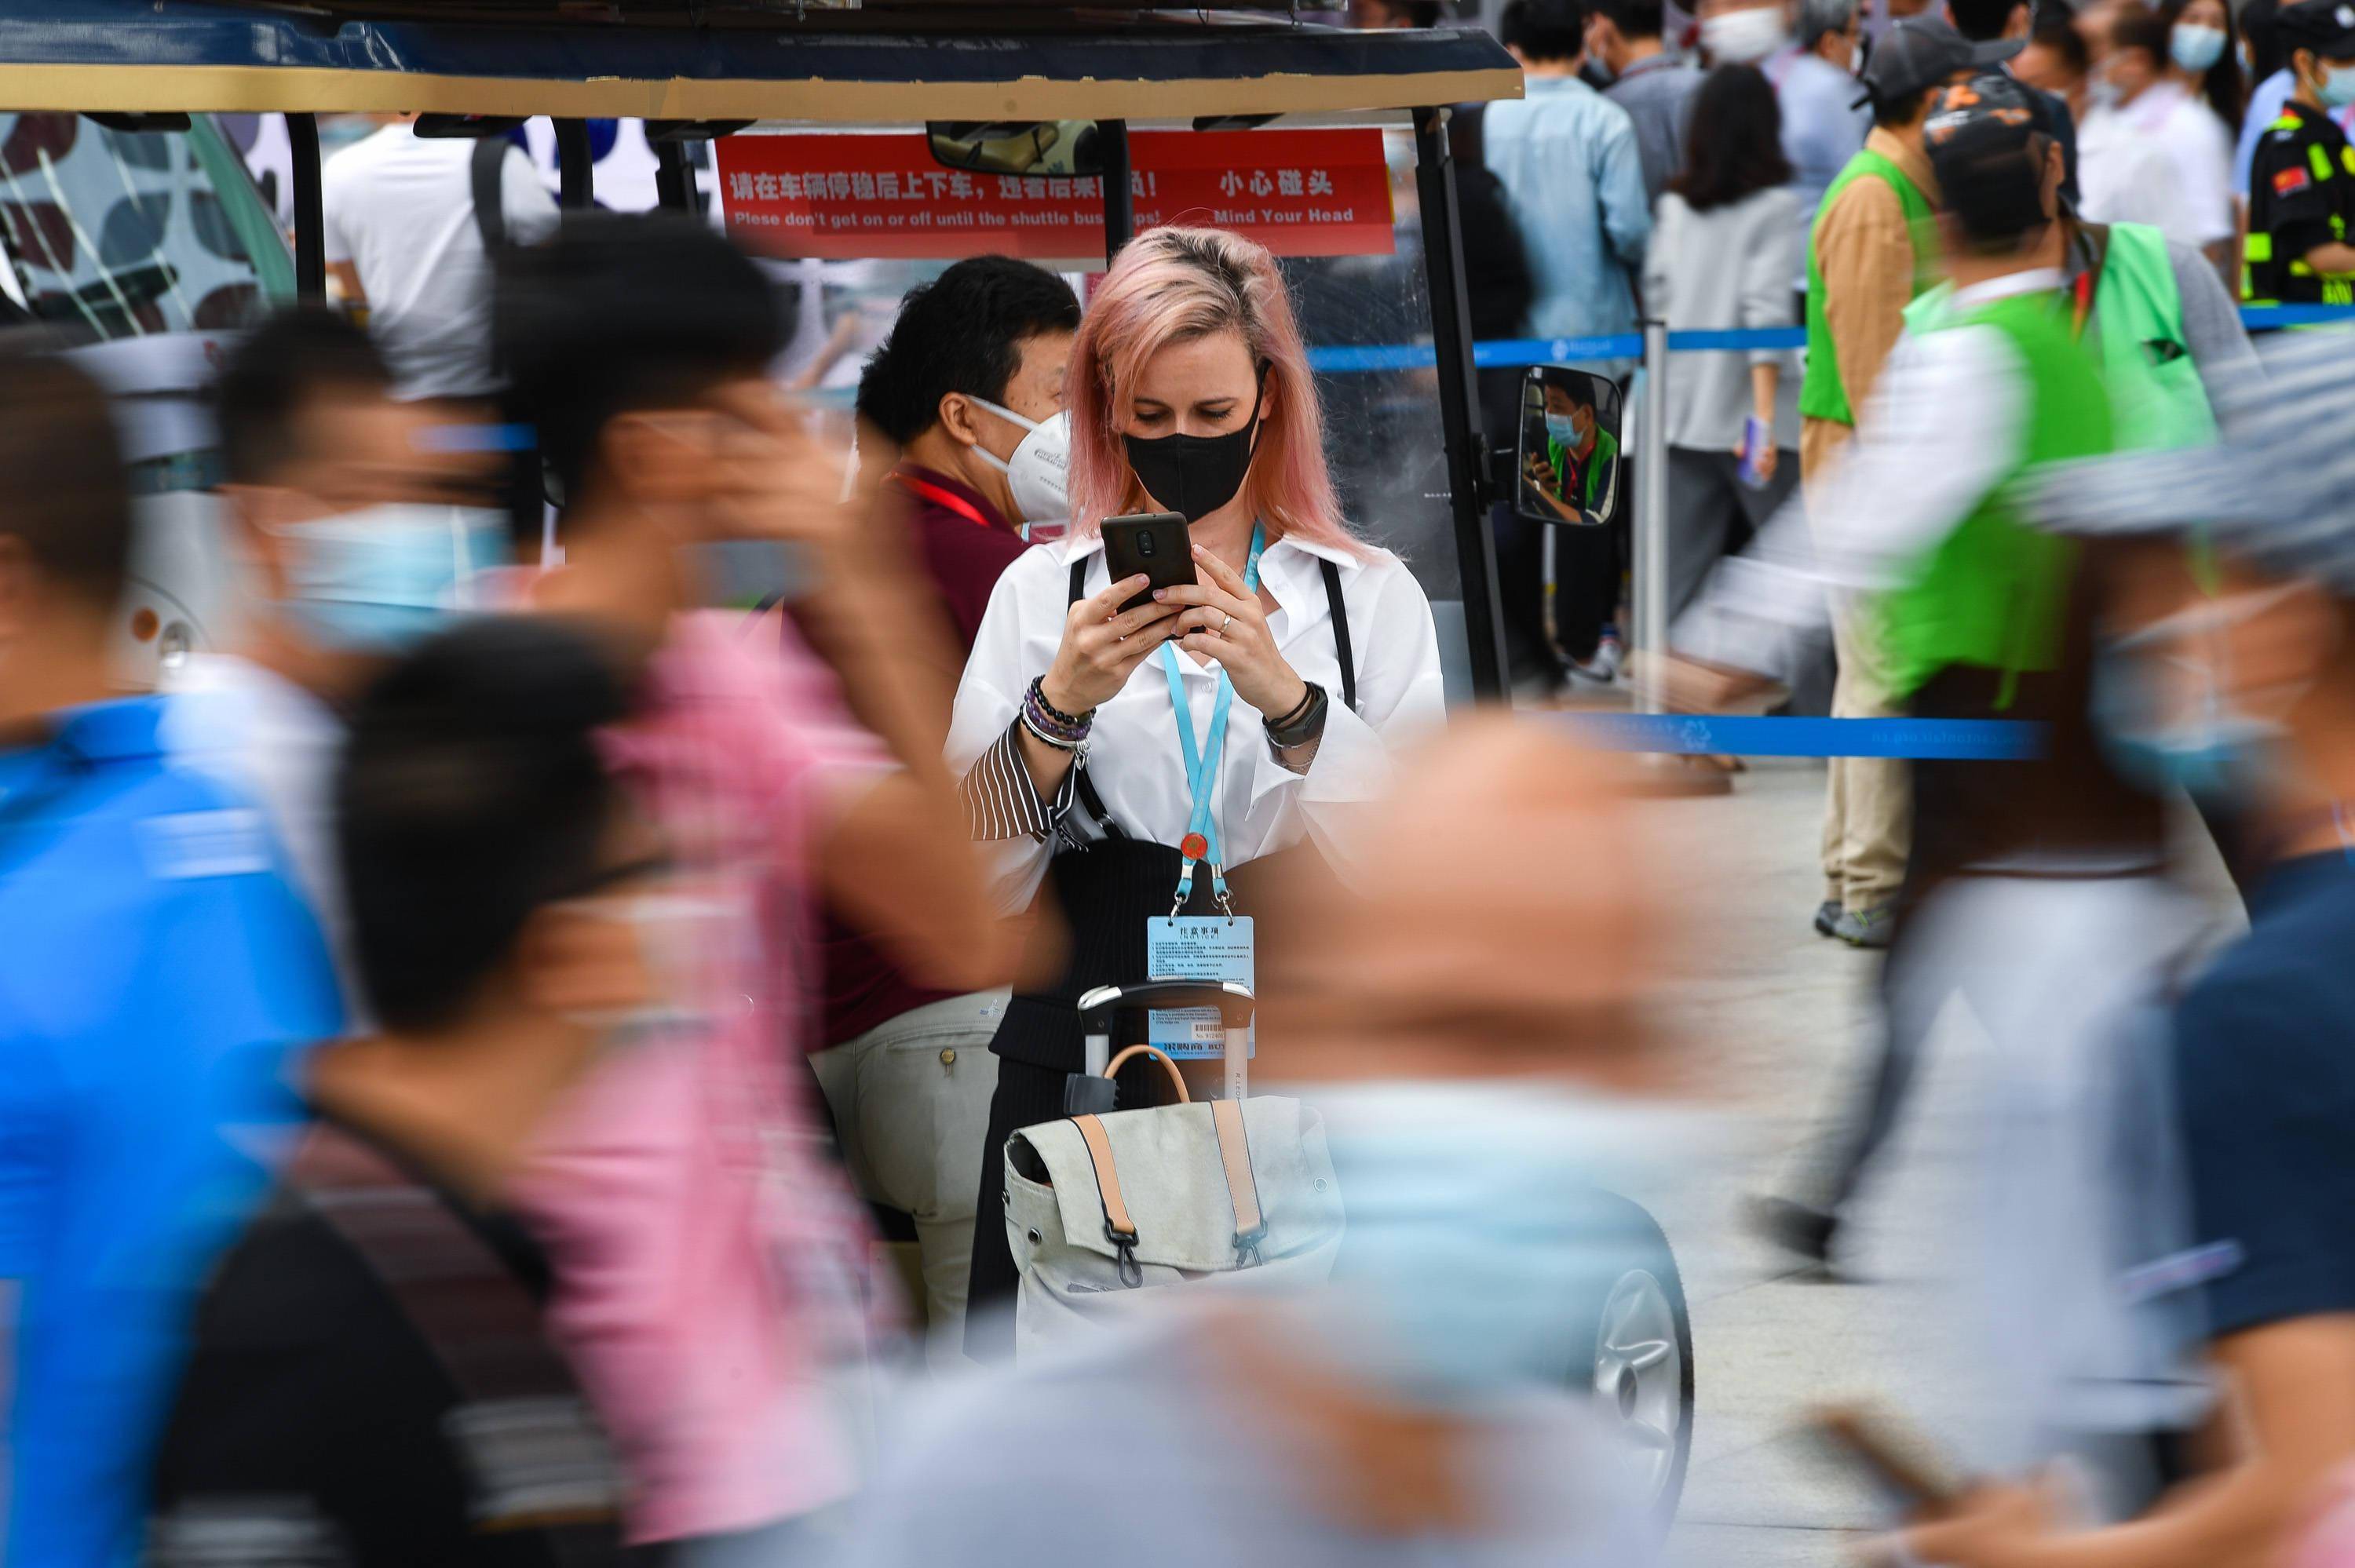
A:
(1973, 740)
(1504, 353)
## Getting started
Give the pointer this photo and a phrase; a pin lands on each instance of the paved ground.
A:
(1781, 1013)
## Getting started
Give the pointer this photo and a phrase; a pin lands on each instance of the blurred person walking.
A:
(969, 388)
(159, 970)
(1990, 21)
(359, 537)
(371, 1382)
(2157, 150)
(1872, 250)
(1654, 86)
(710, 1261)
(1482, 1089)
(2244, 690)
(1189, 391)
(412, 226)
(2302, 176)
(1572, 173)
(1915, 527)
(1725, 243)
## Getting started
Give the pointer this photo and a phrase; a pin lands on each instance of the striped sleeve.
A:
(999, 800)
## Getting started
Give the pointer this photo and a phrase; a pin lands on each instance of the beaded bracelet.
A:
(1038, 691)
(1050, 724)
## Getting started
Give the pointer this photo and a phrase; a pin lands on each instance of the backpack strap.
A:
(484, 171)
(1341, 635)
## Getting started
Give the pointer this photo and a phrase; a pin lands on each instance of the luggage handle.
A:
(1234, 1002)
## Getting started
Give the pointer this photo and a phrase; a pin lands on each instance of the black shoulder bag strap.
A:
(1341, 635)
(485, 172)
(1089, 802)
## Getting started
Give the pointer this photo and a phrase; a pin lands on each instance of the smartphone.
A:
(1894, 1460)
(1756, 434)
(1158, 543)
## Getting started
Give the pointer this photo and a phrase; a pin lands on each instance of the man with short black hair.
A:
(358, 537)
(159, 972)
(370, 1382)
(1653, 85)
(970, 387)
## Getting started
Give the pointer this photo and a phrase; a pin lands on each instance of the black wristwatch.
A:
(1302, 724)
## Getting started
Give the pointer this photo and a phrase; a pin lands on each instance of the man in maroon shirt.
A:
(969, 386)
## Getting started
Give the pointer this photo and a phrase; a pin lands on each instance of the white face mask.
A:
(1743, 37)
(1038, 472)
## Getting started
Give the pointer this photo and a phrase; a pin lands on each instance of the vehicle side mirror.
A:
(1566, 463)
(1058, 147)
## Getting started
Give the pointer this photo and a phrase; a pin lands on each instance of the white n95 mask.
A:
(1037, 470)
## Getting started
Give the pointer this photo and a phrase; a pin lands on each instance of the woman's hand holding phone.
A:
(1221, 619)
(1103, 646)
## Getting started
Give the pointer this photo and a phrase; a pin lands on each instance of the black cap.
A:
(2326, 27)
(1980, 135)
(1921, 52)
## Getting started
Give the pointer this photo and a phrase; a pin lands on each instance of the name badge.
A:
(1197, 948)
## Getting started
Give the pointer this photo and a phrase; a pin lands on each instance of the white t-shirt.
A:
(280, 745)
(400, 208)
(2165, 160)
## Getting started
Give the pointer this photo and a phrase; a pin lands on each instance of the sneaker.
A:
(1827, 916)
(1867, 927)
(1795, 1227)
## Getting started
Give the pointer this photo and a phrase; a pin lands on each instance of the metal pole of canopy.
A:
(1459, 401)
(576, 166)
(1119, 198)
(310, 210)
(673, 178)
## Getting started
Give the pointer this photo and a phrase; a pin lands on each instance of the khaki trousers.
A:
(1868, 800)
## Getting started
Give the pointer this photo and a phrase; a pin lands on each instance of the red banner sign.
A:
(1299, 193)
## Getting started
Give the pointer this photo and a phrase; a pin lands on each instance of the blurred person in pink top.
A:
(710, 1260)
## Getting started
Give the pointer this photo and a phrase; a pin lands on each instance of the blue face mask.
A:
(1566, 430)
(2164, 709)
(381, 578)
(1473, 1221)
(2337, 88)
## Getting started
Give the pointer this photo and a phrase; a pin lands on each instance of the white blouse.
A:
(1134, 759)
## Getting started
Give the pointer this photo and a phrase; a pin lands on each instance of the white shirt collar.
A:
(2032, 281)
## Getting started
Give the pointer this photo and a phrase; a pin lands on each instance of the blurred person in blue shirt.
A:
(156, 969)
(1573, 176)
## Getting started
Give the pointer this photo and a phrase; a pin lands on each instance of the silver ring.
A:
(1224, 624)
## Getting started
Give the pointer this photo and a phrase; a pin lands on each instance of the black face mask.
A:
(1196, 475)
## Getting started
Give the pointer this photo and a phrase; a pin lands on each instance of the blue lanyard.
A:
(1202, 762)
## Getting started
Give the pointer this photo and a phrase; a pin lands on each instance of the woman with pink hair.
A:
(1289, 668)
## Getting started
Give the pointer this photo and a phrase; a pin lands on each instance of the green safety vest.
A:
(2158, 401)
(1598, 464)
(1992, 592)
(1821, 394)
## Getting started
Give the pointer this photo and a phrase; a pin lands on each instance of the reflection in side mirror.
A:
(1566, 463)
(1060, 147)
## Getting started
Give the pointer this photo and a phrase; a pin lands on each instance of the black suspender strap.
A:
(1341, 635)
(1089, 802)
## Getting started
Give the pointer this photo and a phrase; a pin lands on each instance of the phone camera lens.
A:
(1145, 544)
